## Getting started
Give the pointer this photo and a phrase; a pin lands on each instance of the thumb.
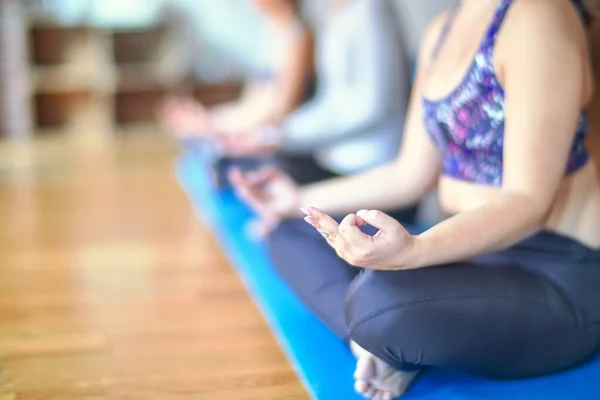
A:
(262, 175)
(236, 176)
(378, 219)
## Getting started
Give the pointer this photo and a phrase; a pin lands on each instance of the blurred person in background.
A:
(355, 120)
(284, 84)
(508, 285)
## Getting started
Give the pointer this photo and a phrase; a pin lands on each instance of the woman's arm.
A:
(264, 103)
(233, 115)
(400, 183)
(292, 81)
(543, 64)
(372, 43)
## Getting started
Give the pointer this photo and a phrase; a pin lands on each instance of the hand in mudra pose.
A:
(271, 193)
(185, 117)
(388, 249)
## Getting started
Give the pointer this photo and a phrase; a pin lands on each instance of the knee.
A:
(366, 308)
(385, 318)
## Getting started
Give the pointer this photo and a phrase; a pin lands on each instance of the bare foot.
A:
(376, 380)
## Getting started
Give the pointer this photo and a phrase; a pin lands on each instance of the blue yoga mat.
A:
(322, 361)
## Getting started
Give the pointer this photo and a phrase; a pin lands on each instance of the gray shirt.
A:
(355, 120)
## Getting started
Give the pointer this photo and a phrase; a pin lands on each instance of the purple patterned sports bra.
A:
(468, 124)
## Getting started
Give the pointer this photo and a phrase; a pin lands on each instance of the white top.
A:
(355, 120)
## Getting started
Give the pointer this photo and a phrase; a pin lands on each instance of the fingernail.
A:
(305, 210)
(309, 220)
(361, 213)
(372, 214)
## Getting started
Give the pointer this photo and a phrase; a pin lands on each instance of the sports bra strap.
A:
(490, 36)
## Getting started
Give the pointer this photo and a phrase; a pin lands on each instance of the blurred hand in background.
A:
(184, 117)
(271, 194)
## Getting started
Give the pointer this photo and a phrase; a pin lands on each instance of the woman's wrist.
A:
(294, 210)
(413, 255)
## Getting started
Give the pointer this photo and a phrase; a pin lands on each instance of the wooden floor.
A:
(111, 289)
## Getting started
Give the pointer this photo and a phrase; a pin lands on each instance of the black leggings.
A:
(531, 310)
(302, 169)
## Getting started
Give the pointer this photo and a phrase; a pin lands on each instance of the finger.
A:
(262, 175)
(236, 176)
(360, 221)
(256, 202)
(239, 181)
(350, 231)
(253, 179)
(259, 229)
(378, 219)
(250, 194)
(267, 227)
(326, 225)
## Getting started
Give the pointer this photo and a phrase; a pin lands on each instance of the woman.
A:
(267, 98)
(355, 120)
(508, 285)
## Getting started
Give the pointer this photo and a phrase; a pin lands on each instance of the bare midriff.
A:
(575, 212)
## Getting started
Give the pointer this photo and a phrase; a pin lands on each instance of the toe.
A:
(361, 386)
(370, 394)
(365, 368)
(403, 381)
(387, 396)
(378, 395)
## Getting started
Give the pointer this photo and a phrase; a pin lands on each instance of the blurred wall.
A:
(112, 13)
(415, 15)
(15, 113)
(226, 31)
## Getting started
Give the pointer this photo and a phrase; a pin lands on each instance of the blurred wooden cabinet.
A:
(106, 76)
(112, 77)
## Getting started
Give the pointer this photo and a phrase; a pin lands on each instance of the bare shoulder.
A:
(431, 36)
(549, 21)
(538, 34)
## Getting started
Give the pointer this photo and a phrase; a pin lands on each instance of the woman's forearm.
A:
(245, 113)
(384, 188)
(489, 228)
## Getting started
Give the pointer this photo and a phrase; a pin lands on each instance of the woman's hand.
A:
(185, 118)
(271, 193)
(391, 248)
